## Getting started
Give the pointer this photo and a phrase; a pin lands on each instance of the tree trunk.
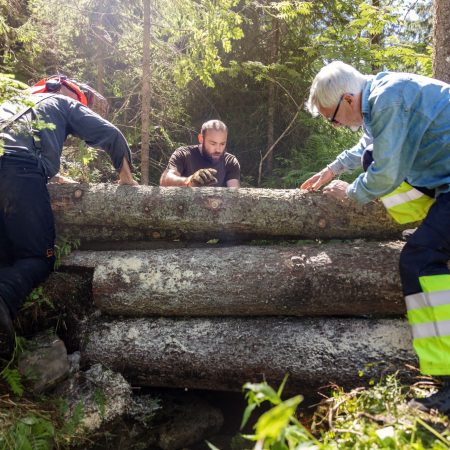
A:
(224, 353)
(359, 278)
(126, 213)
(145, 113)
(101, 51)
(274, 46)
(441, 40)
(376, 41)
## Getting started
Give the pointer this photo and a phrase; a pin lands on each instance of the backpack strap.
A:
(8, 122)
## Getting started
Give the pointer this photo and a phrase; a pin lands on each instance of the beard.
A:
(207, 156)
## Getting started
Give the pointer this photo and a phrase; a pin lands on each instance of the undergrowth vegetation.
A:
(373, 417)
(31, 422)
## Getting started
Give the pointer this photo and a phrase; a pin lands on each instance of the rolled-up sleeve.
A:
(350, 159)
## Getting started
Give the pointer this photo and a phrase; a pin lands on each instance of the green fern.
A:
(14, 380)
(12, 375)
(38, 298)
(34, 433)
(64, 247)
(71, 426)
(100, 401)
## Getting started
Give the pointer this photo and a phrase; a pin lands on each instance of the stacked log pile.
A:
(207, 308)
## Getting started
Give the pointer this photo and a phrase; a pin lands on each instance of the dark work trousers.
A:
(427, 251)
(27, 231)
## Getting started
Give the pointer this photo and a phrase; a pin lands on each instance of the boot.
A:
(439, 401)
(7, 336)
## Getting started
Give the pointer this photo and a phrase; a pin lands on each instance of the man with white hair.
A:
(407, 117)
(205, 164)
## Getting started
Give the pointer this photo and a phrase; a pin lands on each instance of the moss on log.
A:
(351, 278)
(224, 353)
(107, 212)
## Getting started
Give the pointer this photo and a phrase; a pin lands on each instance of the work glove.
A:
(203, 177)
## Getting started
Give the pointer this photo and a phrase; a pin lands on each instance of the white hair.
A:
(217, 125)
(331, 82)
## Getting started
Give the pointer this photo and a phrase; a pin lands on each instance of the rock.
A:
(103, 394)
(74, 362)
(45, 363)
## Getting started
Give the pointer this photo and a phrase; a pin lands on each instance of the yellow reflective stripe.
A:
(412, 211)
(404, 187)
(421, 300)
(430, 314)
(399, 199)
(433, 283)
(434, 355)
(431, 329)
(407, 204)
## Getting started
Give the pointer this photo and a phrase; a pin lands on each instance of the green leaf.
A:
(272, 423)
(262, 392)
(247, 413)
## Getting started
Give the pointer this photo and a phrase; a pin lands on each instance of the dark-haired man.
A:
(28, 160)
(205, 164)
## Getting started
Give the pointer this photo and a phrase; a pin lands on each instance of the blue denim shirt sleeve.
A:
(350, 159)
(408, 117)
(98, 132)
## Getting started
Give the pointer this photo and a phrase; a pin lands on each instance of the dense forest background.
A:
(248, 63)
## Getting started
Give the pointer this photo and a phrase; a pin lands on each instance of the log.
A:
(351, 278)
(106, 212)
(224, 353)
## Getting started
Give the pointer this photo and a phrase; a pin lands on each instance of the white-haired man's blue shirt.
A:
(408, 117)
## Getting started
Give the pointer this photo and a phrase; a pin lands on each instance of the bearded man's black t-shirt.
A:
(187, 160)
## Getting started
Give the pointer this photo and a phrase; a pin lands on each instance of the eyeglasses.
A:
(332, 119)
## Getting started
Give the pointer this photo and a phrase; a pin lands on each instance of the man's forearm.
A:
(125, 175)
(171, 179)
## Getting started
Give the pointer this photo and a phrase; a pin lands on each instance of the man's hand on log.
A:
(318, 180)
(203, 177)
(337, 189)
(128, 182)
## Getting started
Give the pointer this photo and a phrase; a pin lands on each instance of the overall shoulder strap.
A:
(8, 122)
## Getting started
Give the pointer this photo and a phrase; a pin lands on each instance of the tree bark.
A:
(145, 113)
(340, 279)
(271, 100)
(376, 41)
(127, 213)
(441, 40)
(224, 353)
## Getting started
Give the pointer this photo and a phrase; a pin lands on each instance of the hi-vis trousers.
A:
(426, 285)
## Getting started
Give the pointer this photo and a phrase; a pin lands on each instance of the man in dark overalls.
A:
(28, 160)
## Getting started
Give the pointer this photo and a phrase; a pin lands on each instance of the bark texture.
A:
(146, 96)
(224, 353)
(441, 40)
(127, 213)
(351, 278)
